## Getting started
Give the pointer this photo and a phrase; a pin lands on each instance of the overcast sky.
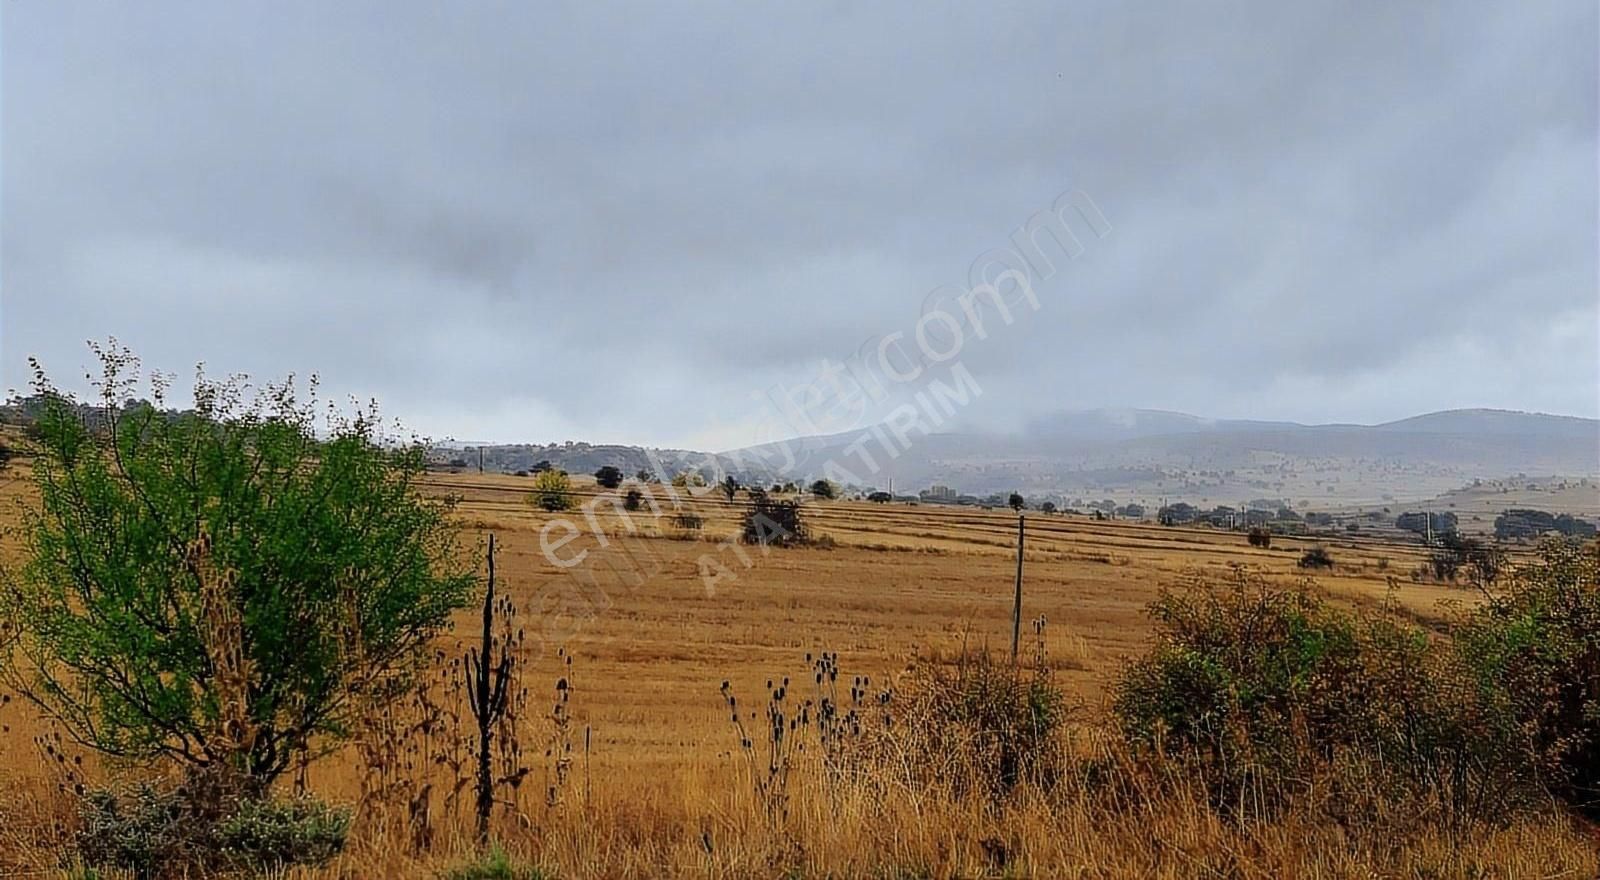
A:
(622, 223)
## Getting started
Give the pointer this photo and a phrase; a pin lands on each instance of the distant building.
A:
(939, 493)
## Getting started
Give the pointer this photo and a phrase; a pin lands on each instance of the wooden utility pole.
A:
(1016, 603)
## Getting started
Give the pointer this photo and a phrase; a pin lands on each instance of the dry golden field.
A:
(658, 786)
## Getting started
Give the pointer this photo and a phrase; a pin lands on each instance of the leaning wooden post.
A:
(1016, 604)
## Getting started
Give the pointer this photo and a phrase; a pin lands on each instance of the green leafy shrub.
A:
(222, 586)
(1246, 659)
(1535, 651)
(552, 491)
(1267, 689)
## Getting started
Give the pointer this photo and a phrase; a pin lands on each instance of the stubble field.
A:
(657, 784)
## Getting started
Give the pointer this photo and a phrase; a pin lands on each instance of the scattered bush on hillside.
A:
(824, 490)
(608, 477)
(633, 500)
(552, 491)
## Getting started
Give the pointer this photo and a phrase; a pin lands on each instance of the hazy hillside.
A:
(1147, 455)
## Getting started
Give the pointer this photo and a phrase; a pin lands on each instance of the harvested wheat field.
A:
(629, 762)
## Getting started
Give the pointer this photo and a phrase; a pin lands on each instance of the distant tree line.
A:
(1520, 523)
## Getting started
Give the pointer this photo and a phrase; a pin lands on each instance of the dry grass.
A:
(662, 789)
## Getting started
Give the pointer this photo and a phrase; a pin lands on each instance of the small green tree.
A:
(608, 477)
(220, 586)
(824, 490)
(729, 487)
(552, 491)
(1016, 501)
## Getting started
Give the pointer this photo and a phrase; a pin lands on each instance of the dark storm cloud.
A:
(632, 223)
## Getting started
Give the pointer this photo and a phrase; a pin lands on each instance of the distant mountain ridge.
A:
(1149, 455)
(1121, 424)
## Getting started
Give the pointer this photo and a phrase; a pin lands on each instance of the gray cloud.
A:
(627, 223)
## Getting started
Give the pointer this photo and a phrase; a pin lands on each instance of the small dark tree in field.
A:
(5, 455)
(769, 522)
(1016, 501)
(221, 586)
(1483, 562)
(688, 521)
(729, 487)
(880, 497)
(633, 500)
(824, 490)
(1444, 565)
(542, 465)
(1260, 537)
(1048, 507)
(1316, 557)
(646, 476)
(608, 477)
